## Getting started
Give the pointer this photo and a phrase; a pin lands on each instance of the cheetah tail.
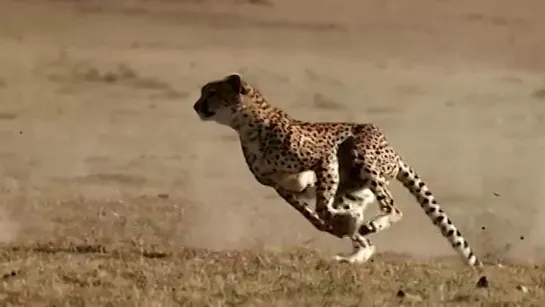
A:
(420, 190)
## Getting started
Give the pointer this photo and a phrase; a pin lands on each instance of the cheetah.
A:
(346, 166)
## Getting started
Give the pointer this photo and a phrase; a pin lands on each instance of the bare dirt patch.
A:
(114, 193)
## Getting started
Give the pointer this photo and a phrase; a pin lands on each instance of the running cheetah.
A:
(337, 162)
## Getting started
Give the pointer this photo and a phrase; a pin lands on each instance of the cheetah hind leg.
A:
(362, 250)
(354, 204)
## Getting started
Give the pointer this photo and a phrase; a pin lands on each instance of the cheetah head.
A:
(220, 99)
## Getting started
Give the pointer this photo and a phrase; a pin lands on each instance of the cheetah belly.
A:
(296, 182)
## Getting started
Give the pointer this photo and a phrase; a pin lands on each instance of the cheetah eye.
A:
(208, 91)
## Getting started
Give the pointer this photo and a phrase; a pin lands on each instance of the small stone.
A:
(408, 297)
(482, 282)
(522, 289)
(10, 274)
(163, 195)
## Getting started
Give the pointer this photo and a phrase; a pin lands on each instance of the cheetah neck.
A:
(257, 114)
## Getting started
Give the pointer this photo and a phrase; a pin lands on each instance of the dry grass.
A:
(76, 274)
(128, 252)
(113, 193)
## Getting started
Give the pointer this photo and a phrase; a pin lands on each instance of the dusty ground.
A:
(114, 193)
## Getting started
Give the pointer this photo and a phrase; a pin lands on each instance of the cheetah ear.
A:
(235, 82)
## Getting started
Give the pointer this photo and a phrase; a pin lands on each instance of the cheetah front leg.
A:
(349, 202)
(327, 184)
(293, 199)
(341, 222)
(276, 181)
(289, 186)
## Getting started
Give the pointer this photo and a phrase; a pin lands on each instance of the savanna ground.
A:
(115, 194)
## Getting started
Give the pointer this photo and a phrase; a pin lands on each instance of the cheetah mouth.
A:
(205, 114)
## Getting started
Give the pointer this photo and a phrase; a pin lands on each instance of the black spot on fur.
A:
(365, 230)
(431, 210)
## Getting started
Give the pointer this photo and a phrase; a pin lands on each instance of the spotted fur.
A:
(346, 165)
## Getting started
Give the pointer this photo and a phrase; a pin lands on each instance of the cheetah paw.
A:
(360, 256)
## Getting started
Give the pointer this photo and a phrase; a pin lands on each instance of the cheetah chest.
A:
(278, 165)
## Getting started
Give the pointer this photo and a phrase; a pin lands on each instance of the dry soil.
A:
(113, 193)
